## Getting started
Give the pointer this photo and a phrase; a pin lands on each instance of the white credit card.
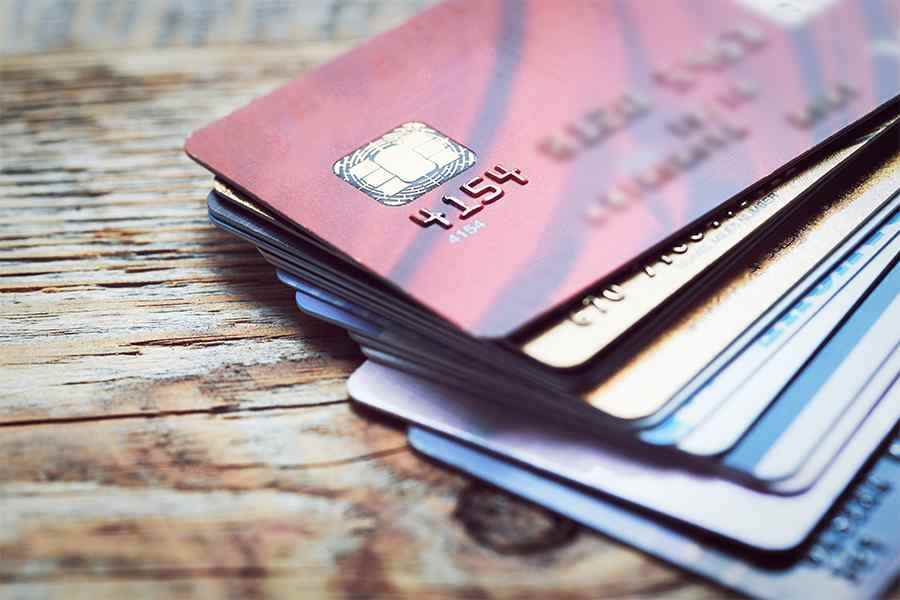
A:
(752, 381)
(820, 416)
(882, 388)
(829, 384)
(704, 499)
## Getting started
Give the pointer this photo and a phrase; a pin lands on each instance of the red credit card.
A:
(494, 159)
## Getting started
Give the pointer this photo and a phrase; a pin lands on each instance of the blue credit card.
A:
(854, 553)
(804, 388)
(318, 303)
(723, 410)
(722, 379)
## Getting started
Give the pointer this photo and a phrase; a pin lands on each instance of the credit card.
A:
(817, 396)
(853, 553)
(419, 158)
(734, 398)
(667, 485)
(325, 311)
(601, 318)
(316, 264)
(882, 387)
(710, 333)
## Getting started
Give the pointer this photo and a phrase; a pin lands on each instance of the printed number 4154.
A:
(465, 231)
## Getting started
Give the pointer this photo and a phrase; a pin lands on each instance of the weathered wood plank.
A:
(107, 258)
(321, 495)
(203, 498)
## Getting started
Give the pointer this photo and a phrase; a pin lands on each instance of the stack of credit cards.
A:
(636, 262)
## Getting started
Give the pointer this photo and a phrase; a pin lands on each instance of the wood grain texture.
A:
(170, 425)
(38, 25)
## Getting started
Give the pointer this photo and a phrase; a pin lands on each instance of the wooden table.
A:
(170, 424)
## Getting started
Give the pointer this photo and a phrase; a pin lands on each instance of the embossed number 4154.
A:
(483, 188)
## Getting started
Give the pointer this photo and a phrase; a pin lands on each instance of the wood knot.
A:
(509, 525)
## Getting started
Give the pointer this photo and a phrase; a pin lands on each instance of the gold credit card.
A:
(604, 316)
(651, 377)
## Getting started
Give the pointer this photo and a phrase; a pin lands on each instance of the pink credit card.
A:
(493, 160)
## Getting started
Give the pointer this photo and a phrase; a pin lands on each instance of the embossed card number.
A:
(479, 188)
